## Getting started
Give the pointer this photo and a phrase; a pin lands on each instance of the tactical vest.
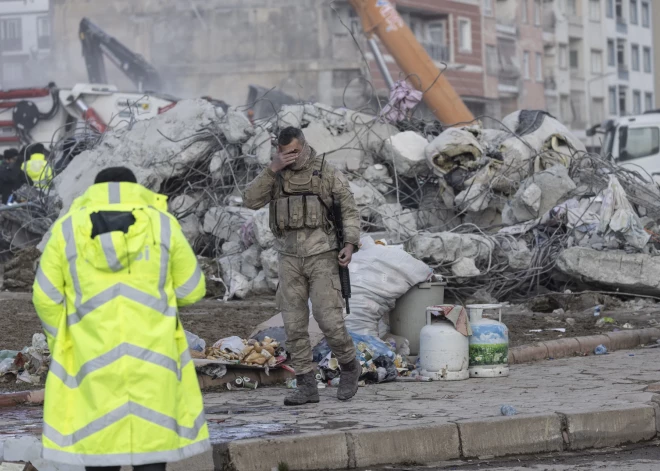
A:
(300, 200)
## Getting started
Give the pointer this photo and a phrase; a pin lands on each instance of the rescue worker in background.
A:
(37, 167)
(300, 187)
(122, 389)
(11, 177)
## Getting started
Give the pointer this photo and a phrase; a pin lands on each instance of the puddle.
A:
(229, 410)
(220, 434)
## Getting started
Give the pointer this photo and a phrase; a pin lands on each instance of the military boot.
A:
(348, 381)
(306, 392)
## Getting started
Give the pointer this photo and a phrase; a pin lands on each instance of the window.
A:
(635, 57)
(578, 107)
(597, 110)
(572, 7)
(43, 32)
(524, 14)
(618, 11)
(537, 12)
(647, 60)
(621, 54)
(646, 15)
(492, 60)
(464, 35)
(11, 35)
(539, 67)
(611, 95)
(594, 10)
(563, 56)
(637, 102)
(565, 108)
(623, 108)
(648, 102)
(437, 34)
(488, 7)
(610, 8)
(596, 62)
(526, 65)
(574, 62)
(639, 142)
(611, 53)
(634, 15)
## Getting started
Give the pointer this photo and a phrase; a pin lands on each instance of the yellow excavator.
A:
(380, 18)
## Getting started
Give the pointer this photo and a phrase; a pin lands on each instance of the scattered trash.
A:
(508, 410)
(292, 383)
(605, 321)
(627, 326)
(570, 321)
(195, 343)
(600, 350)
(235, 350)
(597, 311)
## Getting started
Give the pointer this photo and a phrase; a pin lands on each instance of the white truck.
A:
(633, 142)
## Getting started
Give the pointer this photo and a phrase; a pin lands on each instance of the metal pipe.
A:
(382, 66)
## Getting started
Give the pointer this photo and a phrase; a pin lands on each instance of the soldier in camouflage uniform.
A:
(300, 187)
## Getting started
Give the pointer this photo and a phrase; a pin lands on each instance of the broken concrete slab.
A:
(465, 268)
(260, 285)
(261, 229)
(259, 147)
(365, 194)
(454, 147)
(401, 223)
(406, 152)
(291, 115)
(142, 148)
(630, 273)
(442, 247)
(235, 126)
(252, 256)
(225, 221)
(538, 195)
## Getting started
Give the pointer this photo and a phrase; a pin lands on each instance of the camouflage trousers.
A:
(315, 278)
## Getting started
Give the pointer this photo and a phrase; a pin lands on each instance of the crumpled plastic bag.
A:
(230, 344)
(376, 346)
(195, 342)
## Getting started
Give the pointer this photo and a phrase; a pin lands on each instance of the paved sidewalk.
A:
(568, 385)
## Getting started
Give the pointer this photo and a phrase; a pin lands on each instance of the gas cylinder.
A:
(489, 344)
(443, 351)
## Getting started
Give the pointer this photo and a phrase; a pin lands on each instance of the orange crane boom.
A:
(380, 17)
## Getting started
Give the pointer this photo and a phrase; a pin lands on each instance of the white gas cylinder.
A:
(443, 351)
(489, 344)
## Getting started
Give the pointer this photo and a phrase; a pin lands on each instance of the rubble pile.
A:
(497, 212)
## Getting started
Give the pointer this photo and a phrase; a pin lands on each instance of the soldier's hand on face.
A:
(281, 161)
(346, 255)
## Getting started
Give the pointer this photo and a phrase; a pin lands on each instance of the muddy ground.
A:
(213, 320)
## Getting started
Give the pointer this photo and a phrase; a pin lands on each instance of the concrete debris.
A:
(406, 152)
(261, 229)
(260, 285)
(234, 126)
(465, 268)
(402, 223)
(224, 222)
(258, 148)
(449, 247)
(454, 148)
(615, 270)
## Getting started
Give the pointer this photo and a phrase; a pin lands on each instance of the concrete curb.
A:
(498, 436)
(568, 347)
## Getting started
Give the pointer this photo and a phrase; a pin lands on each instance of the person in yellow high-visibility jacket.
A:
(122, 388)
(38, 168)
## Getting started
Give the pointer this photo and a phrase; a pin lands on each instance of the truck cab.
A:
(633, 142)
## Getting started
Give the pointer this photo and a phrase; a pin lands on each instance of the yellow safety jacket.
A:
(39, 171)
(122, 389)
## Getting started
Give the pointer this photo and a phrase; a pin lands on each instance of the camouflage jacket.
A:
(305, 242)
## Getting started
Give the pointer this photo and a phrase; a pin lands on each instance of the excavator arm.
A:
(380, 18)
(96, 44)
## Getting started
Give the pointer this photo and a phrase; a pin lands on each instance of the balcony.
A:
(508, 79)
(621, 26)
(507, 28)
(575, 26)
(624, 73)
(437, 52)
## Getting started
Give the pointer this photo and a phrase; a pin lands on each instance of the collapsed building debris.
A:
(490, 210)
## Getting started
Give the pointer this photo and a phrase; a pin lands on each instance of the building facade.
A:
(25, 43)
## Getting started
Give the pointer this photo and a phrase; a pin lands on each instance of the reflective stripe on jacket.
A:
(39, 171)
(122, 389)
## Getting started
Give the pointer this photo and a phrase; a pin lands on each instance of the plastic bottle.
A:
(600, 350)
(508, 410)
(334, 382)
(195, 343)
(597, 311)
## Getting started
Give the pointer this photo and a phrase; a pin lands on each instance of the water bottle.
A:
(508, 410)
(334, 382)
(597, 311)
(600, 350)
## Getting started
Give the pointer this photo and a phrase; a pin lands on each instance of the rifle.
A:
(344, 276)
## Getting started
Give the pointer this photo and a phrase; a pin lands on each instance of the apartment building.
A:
(599, 55)
(25, 42)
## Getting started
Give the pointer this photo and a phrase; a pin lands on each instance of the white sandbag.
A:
(379, 276)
